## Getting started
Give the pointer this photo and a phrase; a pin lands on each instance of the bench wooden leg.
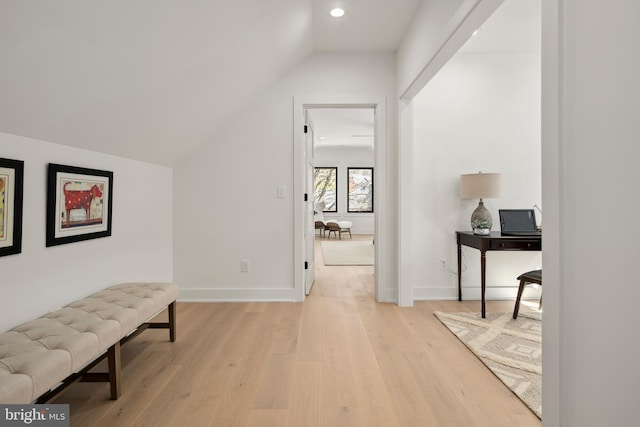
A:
(113, 356)
(172, 321)
(171, 324)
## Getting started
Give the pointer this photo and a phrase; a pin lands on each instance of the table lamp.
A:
(479, 186)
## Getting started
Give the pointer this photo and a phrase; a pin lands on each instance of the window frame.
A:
(371, 191)
(315, 199)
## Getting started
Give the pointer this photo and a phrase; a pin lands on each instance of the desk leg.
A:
(483, 277)
(459, 271)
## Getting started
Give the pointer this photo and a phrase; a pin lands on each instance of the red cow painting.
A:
(84, 199)
(79, 204)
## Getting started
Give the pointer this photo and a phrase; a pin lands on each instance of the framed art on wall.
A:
(11, 193)
(79, 204)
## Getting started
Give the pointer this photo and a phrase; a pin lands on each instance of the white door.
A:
(309, 226)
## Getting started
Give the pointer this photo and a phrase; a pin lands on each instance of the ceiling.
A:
(154, 79)
(514, 28)
(341, 127)
(368, 25)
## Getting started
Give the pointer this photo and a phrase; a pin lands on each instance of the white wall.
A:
(438, 30)
(591, 174)
(481, 112)
(589, 156)
(218, 225)
(343, 158)
(42, 279)
(425, 37)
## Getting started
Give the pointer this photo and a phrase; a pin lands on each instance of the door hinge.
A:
(306, 197)
(306, 129)
(306, 265)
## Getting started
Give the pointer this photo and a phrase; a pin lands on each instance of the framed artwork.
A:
(11, 193)
(360, 190)
(326, 188)
(79, 204)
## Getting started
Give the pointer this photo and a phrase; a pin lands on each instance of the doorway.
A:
(302, 226)
(343, 190)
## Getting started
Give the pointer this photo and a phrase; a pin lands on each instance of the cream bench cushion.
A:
(38, 355)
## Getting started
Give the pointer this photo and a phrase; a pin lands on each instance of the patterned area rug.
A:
(512, 349)
(347, 252)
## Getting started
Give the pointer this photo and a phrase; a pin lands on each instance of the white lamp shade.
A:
(480, 185)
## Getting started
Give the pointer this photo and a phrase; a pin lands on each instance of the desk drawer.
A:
(523, 245)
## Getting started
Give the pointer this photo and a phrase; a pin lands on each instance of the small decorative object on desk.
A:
(480, 223)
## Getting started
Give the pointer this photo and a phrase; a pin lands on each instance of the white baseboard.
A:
(387, 295)
(473, 294)
(361, 231)
(235, 295)
(435, 294)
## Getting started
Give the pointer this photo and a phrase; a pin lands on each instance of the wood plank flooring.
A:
(338, 359)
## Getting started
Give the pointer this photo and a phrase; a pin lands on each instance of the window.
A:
(325, 188)
(360, 190)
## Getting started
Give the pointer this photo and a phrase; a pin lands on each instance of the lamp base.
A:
(481, 220)
(482, 231)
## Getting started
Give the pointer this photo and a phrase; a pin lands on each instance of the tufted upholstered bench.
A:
(41, 357)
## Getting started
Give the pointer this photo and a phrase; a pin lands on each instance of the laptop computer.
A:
(518, 222)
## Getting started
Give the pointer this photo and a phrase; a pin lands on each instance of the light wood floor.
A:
(338, 359)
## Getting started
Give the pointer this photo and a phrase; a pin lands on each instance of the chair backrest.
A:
(333, 226)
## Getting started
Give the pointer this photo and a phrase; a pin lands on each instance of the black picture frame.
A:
(79, 204)
(360, 188)
(11, 203)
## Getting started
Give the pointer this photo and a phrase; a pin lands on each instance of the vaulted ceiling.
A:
(153, 79)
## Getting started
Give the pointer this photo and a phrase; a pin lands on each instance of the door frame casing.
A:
(309, 219)
(384, 291)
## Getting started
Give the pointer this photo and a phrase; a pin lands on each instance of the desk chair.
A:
(527, 278)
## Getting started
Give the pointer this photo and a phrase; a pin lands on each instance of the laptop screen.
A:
(517, 220)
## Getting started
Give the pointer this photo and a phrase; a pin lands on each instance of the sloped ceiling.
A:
(153, 79)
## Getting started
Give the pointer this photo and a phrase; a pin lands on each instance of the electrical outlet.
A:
(244, 266)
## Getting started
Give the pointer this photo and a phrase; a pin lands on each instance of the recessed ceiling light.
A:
(321, 138)
(337, 12)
